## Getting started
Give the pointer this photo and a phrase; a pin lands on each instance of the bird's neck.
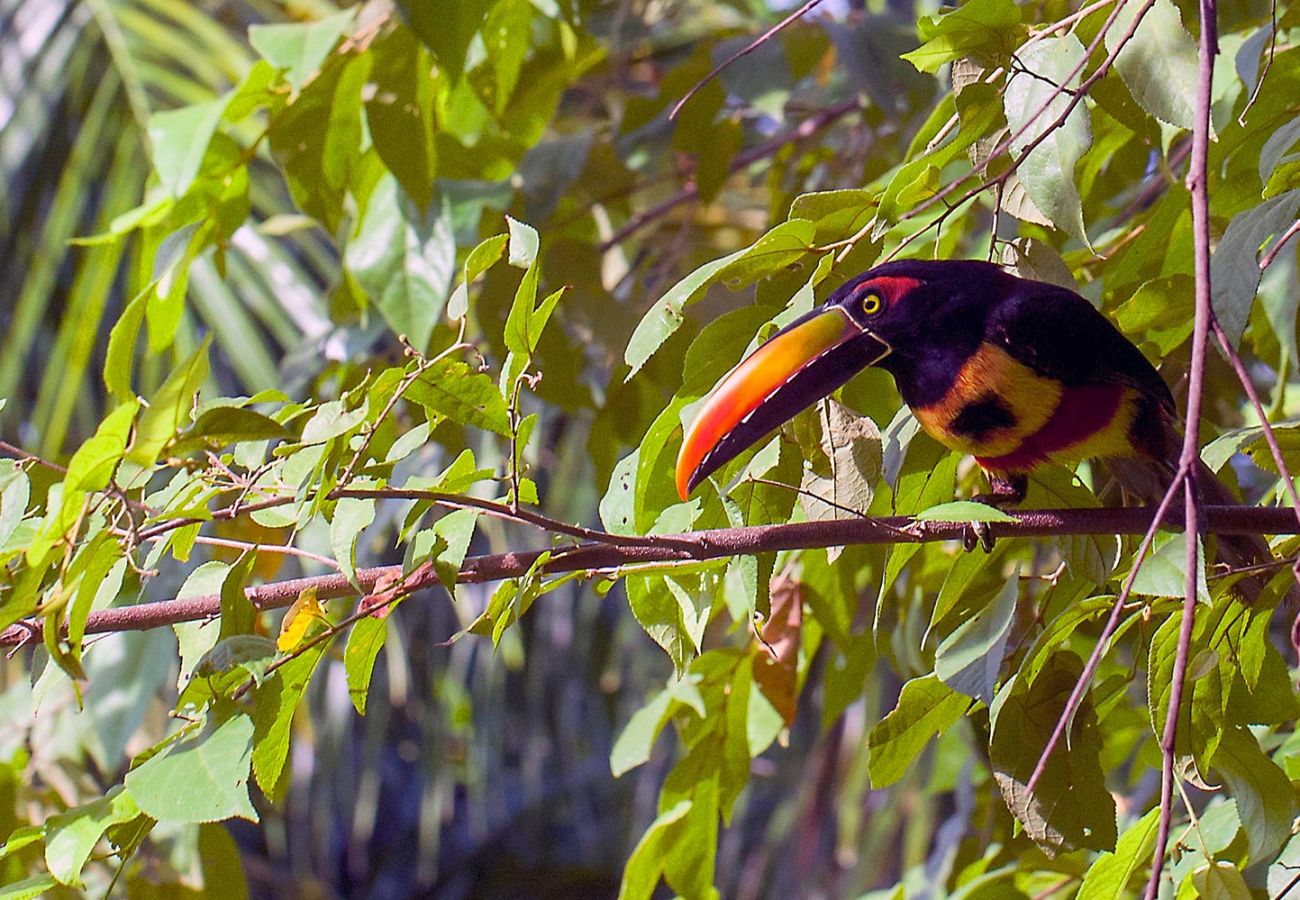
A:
(926, 368)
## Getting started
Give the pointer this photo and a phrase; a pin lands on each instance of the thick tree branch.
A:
(597, 557)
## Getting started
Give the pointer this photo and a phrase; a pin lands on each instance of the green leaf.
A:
(1047, 172)
(273, 707)
(220, 426)
(1164, 571)
(646, 864)
(1070, 806)
(926, 707)
(28, 888)
(169, 407)
(964, 511)
(364, 643)
(632, 748)
(480, 259)
(451, 389)
(400, 112)
(1220, 881)
(1111, 876)
(456, 529)
(120, 357)
(317, 138)
(1158, 63)
(446, 28)
(203, 778)
(352, 515)
(969, 659)
(1266, 800)
(1234, 268)
(71, 836)
(299, 49)
(665, 317)
(92, 466)
(977, 27)
(180, 139)
(404, 261)
(523, 243)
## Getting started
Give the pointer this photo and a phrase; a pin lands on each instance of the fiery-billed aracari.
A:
(1017, 373)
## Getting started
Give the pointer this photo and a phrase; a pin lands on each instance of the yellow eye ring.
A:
(872, 304)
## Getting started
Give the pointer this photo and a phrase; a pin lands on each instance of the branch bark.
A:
(596, 557)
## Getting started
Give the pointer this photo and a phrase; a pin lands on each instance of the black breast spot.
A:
(979, 417)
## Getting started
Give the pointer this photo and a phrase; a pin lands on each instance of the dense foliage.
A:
(390, 296)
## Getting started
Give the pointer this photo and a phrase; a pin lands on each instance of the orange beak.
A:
(801, 364)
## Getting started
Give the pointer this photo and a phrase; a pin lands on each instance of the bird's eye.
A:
(872, 304)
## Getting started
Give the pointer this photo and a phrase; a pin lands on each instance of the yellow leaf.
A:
(293, 627)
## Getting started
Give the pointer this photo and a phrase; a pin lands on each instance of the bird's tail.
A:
(1144, 481)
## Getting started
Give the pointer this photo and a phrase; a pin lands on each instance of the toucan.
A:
(1015, 372)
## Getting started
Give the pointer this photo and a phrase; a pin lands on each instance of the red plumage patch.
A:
(1081, 413)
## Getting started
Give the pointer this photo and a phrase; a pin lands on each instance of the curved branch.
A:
(687, 546)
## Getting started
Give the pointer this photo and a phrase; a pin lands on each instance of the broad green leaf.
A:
(404, 260)
(456, 529)
(926, 707)
(317, 139)
(446, 28)
(646, 864)
(364, 643)
(92, 466)
(400, 116)
(1265, 797)
(169, 407)
(634, 742)
(1047, 172)
(331, 420)
(523, 243)
(71, 836)
(983, 28)
(29, 888)
(352, 515)
(273, 707)
(1112, 875)
(1164, 571)
(451, 389)
(480, 259)
(180, 139)
(964, 511)
(203, 778)
(299, 49)
(1070, 806)
(1234, 267)
(120, 357)
(1159, 61)
(969, 659)
(665, 317)
(1220, 881)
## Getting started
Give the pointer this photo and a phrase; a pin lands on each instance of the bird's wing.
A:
(1059, 334)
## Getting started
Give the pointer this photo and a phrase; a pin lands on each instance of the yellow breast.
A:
(995, 402)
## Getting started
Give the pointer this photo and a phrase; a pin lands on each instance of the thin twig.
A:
(1197, 175)
(748, 49)
(1268, 64)
(1112, 623)
(1273, 251)
(1076, 97)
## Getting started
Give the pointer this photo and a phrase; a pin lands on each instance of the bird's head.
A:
(866, 320)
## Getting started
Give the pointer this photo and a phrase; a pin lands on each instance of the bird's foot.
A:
(1004, 491)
